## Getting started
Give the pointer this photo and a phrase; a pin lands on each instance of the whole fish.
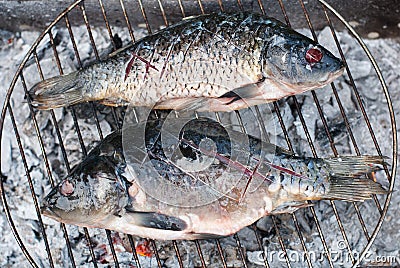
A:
(115, 189)
(215, 62)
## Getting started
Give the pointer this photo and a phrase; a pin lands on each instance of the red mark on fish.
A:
(248, 181)
(288, 171)
(130, 63)
(313, 55)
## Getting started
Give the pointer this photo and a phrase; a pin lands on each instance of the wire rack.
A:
(327, 13)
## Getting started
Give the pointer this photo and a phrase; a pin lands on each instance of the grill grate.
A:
(19, 83)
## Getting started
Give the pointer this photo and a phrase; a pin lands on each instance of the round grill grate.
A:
(305, 232)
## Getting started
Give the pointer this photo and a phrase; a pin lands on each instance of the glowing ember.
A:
(143, 249)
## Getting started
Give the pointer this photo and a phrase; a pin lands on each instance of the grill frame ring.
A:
(80, 4)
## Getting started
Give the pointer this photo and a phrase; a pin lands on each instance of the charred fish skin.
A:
(99, 191)
(215, 62)
(93, 190)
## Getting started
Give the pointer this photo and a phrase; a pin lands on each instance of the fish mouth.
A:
(306, 86)
(332, 76)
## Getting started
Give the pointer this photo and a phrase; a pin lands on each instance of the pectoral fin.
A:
(248, 91)
(156, 220)
(290, 207)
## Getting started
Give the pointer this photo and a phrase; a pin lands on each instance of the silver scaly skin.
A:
(215, 62)
(103, 191)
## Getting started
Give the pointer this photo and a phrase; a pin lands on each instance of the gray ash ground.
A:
(14, 47)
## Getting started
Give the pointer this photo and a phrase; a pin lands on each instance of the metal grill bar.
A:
(111, 244)
(163, 13)
(127, 20)
(221, 6)
(240, 250)
(107, 24)
(201, 6)
(154, 246)
(71, 35)
(343, 113)
(83, 148)
(178, 255)
(384, 87)
(134, 253)
(181, 7)
(88, 28)
(144, 16)
(7, 211)
(71, 256)
(198, 248)
(300, 115)
(265, 260)
(331, 142)
(303, 245)
(221, 254)
(28, 176)
(281, 241)
(240, 5)
(27, 173)
(243, 129)
(289, 146)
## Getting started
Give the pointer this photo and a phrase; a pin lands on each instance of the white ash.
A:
(14, 48)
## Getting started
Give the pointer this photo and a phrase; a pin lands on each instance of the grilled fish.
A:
(114, 188)
(215, 62)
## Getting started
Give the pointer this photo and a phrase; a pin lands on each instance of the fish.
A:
(212, 62)
(183, 199)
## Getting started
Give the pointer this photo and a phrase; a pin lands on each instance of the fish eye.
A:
(313, 55)
(67, 188)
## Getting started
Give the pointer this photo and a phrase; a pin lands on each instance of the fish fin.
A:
(354, 166)
(204, 236)
(353, 189)
(290, 207)
(59, 91)
(156, 220)
(247, 91)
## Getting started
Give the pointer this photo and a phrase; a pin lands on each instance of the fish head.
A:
(89, 194)
(299, 63)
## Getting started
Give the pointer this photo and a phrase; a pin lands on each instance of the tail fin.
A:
(353, 189)
(345, 181)
(354, 166)
(59, 91)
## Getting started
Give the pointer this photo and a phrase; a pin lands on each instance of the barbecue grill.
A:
(288, 235)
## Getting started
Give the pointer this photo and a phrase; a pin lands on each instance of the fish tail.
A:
(346, 183)
(59, 91)
(354, 166)
(353, 189)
